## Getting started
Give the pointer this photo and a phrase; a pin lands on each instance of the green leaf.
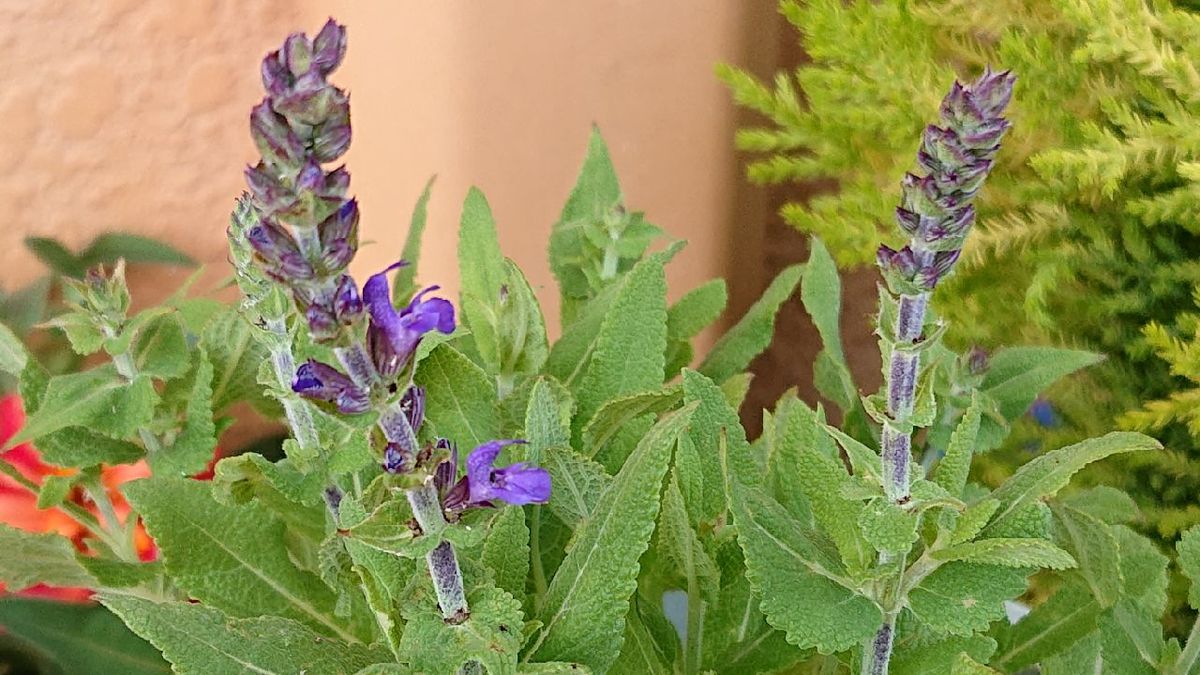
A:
(522, 328)
(506, 551)
(81, 330)
(738, 639)
(821, 293)
(547, 417)
(1009, 553)
(162, 350)
(583, 614)
(802, 588)
(97, 399)
(972, 520)
(481, 268)
(81, 447)
(713, 420)
(56, 256)
(1052, 627)
(231, 557)
(492, 634)
(12, 353)
(195, 444)
(386, 529)
(629, 353)
(31, 558)
(938, 658)
(404, 284)
(1016, 375)
(618, 413)
(679, 545)
(1095, 546)
(570, 355)
(961, 598)
(55, 489)
(201, 640)
(460, 397)
(112, 246)
(113, 573)
(697, 309)
(1047, 474)
(888, 527)
(85, 639)
(230, 344)
(578, 483)
(752, 334)
(1189, 562)
(1105, 503)
(952, 470)
(639, 651)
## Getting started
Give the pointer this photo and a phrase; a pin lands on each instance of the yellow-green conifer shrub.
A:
(1091, 221)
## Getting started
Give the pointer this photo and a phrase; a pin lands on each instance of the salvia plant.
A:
(1089, 225)
(461, 495)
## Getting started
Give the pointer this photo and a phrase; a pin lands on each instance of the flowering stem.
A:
(878, 653)
(442, 562)
(902, 371)
(284, 365)
(358, 365)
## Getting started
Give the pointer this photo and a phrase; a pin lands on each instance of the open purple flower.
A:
(392, 335)
(321, 382)
(516, 484)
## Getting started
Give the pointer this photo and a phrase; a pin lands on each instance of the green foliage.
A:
(80, 638)
(1088, 226)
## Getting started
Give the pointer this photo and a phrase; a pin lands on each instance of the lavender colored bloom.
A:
(339, 236)
(517, 484)
(413, 405)
(279, 253)
(328, 47)
(398, 459)
(392, 335)
(321, 382)
(347, 304)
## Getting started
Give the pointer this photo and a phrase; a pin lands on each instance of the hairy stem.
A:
(299, 419)
(358, 364)
(903, 368)
(442, 562)
(878, 652)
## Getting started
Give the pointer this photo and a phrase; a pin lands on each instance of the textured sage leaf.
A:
(584, 611)
(1105, 503)
(679, 546)
(344, 436)
(734, 351)
(965, 665)
(971, 521)
(738, 639)
(1009, 553)
(97, 399)
(952, 469)
(524, 346)
(13, 356)
(114, 573)
(1047, 474)
(31, 558)
(460, 398)
(201, 640)
(55, 489)
(616, 414)
(193, 447)
(714, 419)
(639, 651)
(888, 527)
(481, 268)
(491, 635)
(161, 349)
(55, 256)
(961, 598)
(1144, 572)
(506, 551)
(404, 284)
(1051, 628)
(596, 191)
(82, 447)
(735, 388)
(863, 460)
(1189, 562)
(571, 353)
(803, 591)
(1094, 545)
(82, 638)
(821, 293)
(232, 558)
(81, 330)
(1016, 375)
(629, 354)
(547, 417)
(938, 658)
(387, 529)
(235, 354)
(697, 309)
(577, 484)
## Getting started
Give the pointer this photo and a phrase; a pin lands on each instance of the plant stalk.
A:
(442, 562)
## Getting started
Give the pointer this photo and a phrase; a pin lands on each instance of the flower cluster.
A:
(308, 231)
(936, 210)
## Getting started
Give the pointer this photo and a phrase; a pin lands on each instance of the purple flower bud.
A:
(398, 459)
(901, 263)
(333, 498)
(413, 405)
(278, 252)
(517, 484)
(336, 183)
(322, 322)
(297, 53)
(339, 237)
(907, 220)
(321, 382)
(332, 142)
(329, 47)
(993, 91)
(347, 304)
(393, 336)
(943, 262)
(977, 361)
(311, 100)
(443, 475)
(311, 178)
(276, 141)
(276, 78)
(1043, 412)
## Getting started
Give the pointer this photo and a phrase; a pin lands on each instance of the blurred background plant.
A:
(24, 309)
(1091, 222)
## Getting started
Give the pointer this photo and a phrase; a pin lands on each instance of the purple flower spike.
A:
(517, 484)
(321, 382)
(392, 335)
(329, 47)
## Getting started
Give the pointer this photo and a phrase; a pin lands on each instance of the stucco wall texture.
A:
(120, 114)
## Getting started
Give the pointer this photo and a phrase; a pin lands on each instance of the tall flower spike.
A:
(517, 484)
(392, 336)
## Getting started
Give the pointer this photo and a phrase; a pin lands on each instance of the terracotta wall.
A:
(132, 115)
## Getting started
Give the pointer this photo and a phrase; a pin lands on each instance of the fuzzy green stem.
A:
(442, 562)
(299, 419)
(358, 364)
(127, 369)
(877, 653)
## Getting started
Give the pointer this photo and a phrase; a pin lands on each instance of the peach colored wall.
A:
(132, 115)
